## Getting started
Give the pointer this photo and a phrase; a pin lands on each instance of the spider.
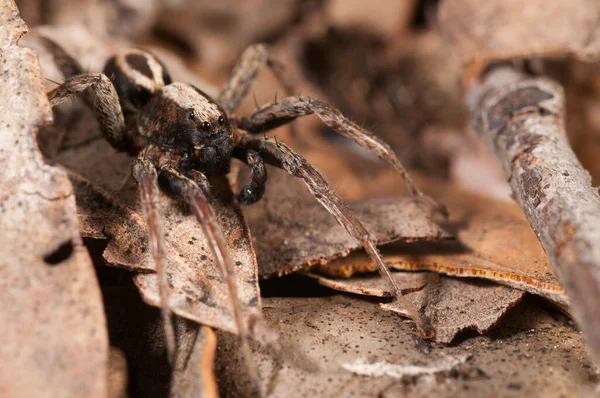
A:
(182, 138)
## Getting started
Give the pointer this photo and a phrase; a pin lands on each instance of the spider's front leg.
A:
(252, 60)
(280, 155)
(273, 115)
(197, 200)
(145, 174)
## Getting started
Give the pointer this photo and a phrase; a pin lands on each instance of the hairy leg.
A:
(253, 191)
(287, 109)
(252, 60)
(196, 199)
(106, 106)
(280, 155)
(144, 172)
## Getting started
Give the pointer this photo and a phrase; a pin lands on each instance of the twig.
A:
(521, 119)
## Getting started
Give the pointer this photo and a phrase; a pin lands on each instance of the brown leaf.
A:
(495, 242)
(292, 231)
(197, 290)
(53, 326)
(373, 284)
(339, 345)
(117, 374)
(507, 29)
(450, 305)
(193, 375)
(454, 305)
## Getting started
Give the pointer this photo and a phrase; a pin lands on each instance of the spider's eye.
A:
(205, 126)
(191, 115)
(221, 120)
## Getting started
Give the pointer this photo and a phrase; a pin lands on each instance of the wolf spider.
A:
(182, 137)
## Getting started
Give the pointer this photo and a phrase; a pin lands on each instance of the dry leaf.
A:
(373, 284)
(117, 374)
(451, 305)
(508, 29)
(454, 305)
(292, 231)
(197, 290)
(494, 242)
(324, 340)
(193, 374)
(53, 326)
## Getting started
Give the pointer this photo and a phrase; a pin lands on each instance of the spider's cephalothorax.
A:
(183, 136)
(183, 119)
(178, 118)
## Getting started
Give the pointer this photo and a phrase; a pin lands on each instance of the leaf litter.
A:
(318, 347)
(55, 341)
(117, 183)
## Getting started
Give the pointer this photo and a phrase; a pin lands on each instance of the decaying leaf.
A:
(54, 339)
(197, 290)
(293, 231)
(322, 337)
(451, 305)
(494, 242)
(509, 29)
(117, 374)
(373, 284)
(193, 374)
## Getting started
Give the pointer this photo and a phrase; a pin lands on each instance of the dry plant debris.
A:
(509, 29)
(52, 320)
(197, 290)
(318, 347)
(450, 305)
(494, 242)
(292, 232)
(193, 374)
(521, 119)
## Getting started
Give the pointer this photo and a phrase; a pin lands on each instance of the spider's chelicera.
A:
(182, 138)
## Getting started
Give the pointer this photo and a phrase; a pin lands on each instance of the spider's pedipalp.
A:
(254, 190)
(273, 115)
(144, 172)
(252, 60)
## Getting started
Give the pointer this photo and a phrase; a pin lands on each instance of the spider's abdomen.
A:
(136, 75)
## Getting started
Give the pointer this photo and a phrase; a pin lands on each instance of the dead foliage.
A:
(55, 341)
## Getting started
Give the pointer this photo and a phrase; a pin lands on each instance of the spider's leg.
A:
(144, 172)
(251, 61)
(106, 106)
(196, 199)
(253, 191)
(280, 155)
(287, 109)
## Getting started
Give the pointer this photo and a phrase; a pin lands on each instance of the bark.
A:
(521, 119)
